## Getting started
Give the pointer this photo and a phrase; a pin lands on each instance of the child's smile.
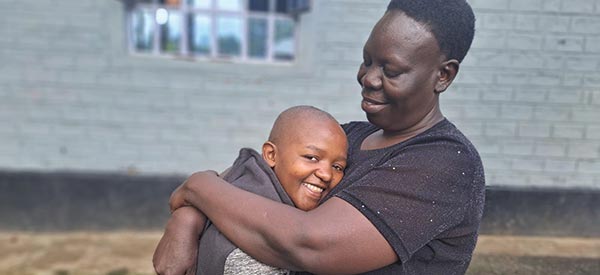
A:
(308, 159)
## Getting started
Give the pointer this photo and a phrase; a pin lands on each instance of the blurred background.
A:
(107, 105)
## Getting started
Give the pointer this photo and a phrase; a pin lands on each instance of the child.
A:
(301, 162)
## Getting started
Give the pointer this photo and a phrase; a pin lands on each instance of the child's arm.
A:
(177, 251)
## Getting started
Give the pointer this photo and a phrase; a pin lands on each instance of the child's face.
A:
(310, 161)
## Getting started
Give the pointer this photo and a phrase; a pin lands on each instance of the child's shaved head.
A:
(288, 121)
(307, 150)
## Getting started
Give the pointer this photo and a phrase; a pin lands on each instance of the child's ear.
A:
(269, 152)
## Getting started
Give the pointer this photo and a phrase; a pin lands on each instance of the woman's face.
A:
(400, 69)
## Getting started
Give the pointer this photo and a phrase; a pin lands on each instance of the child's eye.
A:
(311, 158)
(338, 167)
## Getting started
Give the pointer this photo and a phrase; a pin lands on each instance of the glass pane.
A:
(200, 4)
(199, 37)
(230, 5)
(170, 33)
(142, 30)
(144, 2)
(284, 43)
(169, 2)
(257, 37)
(281, 6)
(258, 5)
(229, 35)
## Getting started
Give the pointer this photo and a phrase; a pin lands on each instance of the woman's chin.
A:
(376, 118)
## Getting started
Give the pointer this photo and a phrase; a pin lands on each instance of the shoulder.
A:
(246, 157)
(247, 153)
(357, 126)
(446, 143)
(356, 132)
(441, 158)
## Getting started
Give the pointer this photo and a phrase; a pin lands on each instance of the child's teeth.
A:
(313, 188)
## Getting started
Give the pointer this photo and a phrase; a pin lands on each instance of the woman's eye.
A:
(366, 62)
(390, 73)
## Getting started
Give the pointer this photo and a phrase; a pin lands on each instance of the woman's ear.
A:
(447, 73)
(269, 152)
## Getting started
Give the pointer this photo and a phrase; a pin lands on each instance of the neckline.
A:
(375, 129)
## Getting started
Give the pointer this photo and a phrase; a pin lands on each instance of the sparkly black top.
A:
(424, 195)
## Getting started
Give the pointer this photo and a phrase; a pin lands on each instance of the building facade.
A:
(74, 96)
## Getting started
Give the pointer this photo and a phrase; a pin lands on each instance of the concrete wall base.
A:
(68, 201)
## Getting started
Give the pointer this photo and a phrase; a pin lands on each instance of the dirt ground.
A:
(85, 253)
(535, 256)
(130, 253)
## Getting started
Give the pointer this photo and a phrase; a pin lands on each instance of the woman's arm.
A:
(176, 253)
(335, 238)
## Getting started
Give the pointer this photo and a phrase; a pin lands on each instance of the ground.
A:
(130, 253)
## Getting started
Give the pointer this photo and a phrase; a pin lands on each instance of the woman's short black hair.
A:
(452, 22)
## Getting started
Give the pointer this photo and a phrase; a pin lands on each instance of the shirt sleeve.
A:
(414, 196)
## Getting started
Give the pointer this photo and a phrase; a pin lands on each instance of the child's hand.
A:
(176, 253)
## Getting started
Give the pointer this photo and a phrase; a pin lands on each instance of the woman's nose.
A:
(371, 80)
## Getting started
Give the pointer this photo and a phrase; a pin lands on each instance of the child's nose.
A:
(325, 173)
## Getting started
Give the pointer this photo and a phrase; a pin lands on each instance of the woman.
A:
(412, 197)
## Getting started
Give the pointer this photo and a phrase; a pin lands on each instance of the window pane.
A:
(281, 6)
(171, 33)
(229, 36)
(283, 47)
(258, 5)
(142, 2)
(142, 30)
(199, 39)
(201, 4)
(230, 5)
(169, 2)
(257, 37)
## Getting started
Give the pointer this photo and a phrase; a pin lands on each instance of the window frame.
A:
(213, 13)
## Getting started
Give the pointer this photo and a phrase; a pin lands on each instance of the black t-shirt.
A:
(424, 195)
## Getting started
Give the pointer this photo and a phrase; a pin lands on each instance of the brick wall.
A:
(528, 92)
(73, 98)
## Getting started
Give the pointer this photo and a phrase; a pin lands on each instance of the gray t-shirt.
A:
(238, 263)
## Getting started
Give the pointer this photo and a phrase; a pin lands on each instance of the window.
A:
(261, 30)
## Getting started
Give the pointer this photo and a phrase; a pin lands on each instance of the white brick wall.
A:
(72, 98)
(540, 128)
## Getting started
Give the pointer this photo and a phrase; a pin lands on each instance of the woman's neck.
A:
(385, 138)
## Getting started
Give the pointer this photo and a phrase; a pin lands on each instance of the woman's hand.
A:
(177, 251)
(179, 197)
